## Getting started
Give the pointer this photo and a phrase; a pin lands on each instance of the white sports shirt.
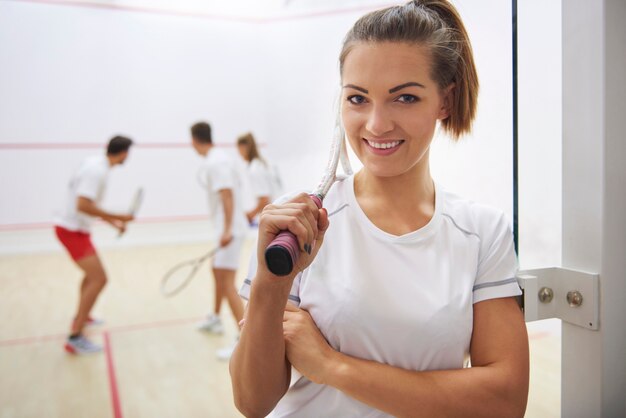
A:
(261, 180)
(219, 173)
(88, 181)
(403, 300)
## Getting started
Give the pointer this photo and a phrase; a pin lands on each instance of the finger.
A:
(306, 199)
(311, 213)
(322, 221)
(290, 307)
(311, 220)
(293, 220)
(289, 316)
(322, 226)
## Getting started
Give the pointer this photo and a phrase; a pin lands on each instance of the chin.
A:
(380, 170)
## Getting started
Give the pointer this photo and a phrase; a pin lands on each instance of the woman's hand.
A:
(306, 348)
(302, 217)
(226, 239)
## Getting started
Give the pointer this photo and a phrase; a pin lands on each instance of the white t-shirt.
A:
(403, 300)
(263, 180)
(219, 173)
(88, 181)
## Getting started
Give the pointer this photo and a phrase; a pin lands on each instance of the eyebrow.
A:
(409, 84)
(352, 86)
(392, 90)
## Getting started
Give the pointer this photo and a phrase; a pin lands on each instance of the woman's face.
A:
(243, 151)
(390, 106)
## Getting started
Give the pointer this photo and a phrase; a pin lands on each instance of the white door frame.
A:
(593, 379)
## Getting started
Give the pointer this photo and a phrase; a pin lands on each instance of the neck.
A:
(414, 186)
(398, 204)
(206, 148)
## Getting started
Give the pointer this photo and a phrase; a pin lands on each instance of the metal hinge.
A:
(569, 295)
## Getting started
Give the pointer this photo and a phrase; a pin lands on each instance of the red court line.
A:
(240, 19)
(150, 220)
(33, 340)
(115, 396)
(93, 145)
(109, 330)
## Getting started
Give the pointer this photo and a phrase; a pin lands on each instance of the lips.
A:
(383, 147)
(384, 144)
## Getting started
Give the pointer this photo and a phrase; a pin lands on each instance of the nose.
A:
(379, 121)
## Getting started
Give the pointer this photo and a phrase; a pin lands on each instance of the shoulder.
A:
(95, 165)
(335, 197)
(218, 157)
(288, 196)
(339, 195)
(473, 218)
(257, 165)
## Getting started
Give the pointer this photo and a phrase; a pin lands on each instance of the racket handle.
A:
(283, 252)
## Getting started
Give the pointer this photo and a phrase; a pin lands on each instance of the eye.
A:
(408, 98)
(356, 99)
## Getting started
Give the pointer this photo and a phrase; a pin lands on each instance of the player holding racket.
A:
(86, 190)
(388, 298)
(228, 220)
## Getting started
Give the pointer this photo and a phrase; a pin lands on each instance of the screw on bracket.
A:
(574, 298)
(545, 295)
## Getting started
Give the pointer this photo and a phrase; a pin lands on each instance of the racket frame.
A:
(195, 262)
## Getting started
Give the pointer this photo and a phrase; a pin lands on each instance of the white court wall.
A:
(78, 75)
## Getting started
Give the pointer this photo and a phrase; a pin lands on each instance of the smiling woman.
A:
(405, 280)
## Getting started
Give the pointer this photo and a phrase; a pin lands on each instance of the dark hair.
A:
(119, 144)
(201, 132)
(437, 25)
(248, 141)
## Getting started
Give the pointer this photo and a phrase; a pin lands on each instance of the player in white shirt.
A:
(73, 228)
(399, 282)
(263, 179)
(223, 185)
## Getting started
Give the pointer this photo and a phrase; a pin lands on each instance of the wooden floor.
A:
(155, 363)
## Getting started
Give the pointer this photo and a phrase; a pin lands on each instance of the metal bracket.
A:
(570, 295)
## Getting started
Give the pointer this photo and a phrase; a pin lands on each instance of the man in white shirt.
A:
(73, 227)
(228, 220)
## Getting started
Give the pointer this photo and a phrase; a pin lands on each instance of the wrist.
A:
(335, 368)
(268, 283)
(269, 295)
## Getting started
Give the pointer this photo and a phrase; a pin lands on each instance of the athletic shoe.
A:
(212, 324)
(81, 345)
(224, 353)
(92, 322)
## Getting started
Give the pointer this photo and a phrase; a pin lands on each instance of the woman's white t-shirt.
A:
(403, 300)
(261, 180)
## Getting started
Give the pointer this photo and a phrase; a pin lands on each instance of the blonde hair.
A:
(437, 25)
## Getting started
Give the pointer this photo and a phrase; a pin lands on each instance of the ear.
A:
(447, 97)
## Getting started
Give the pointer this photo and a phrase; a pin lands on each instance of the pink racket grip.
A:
(283, 252)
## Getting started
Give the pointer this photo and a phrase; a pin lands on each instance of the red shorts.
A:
(77, 243)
